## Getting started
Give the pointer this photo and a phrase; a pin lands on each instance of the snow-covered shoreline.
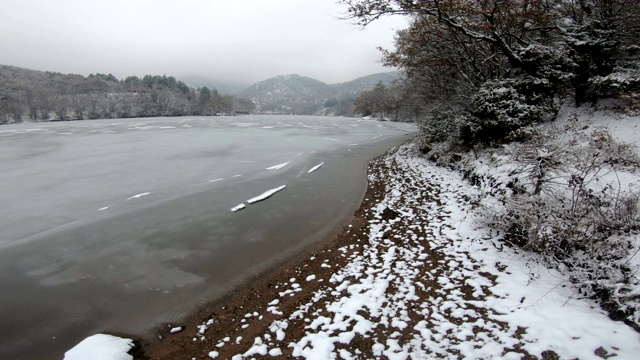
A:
(418, 279)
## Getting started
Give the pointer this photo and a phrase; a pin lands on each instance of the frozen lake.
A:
(121, 225)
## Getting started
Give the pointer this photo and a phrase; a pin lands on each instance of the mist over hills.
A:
(304, 95)
(222, 86)
(44, 96)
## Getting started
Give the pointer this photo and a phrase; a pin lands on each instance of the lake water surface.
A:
(121, 225)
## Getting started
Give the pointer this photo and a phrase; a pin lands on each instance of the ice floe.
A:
(265, 195)
(139, 195)
(315, 168)
(238, 207)
(279, 166)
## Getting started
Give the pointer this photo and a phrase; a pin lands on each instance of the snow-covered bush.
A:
(552, 63)
(502, 106)
(444, 124)
(565, 197)
(623, 82)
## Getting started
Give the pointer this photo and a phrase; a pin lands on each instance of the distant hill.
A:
(45, 96)
(303, 95)
(32, 95)
(223, 87)
(355, 87)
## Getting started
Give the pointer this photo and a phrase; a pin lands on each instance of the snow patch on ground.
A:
(176, 329)
(101, 347)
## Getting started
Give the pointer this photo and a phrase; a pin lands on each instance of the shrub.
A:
(569, 205)
(502, 106)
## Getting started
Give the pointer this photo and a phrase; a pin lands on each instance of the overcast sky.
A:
(242, 41)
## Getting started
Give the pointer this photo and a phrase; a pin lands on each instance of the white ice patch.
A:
(315, 168)
(101, 347)
(265, 195)
(279, 166)
(139, 195)
(103, 208)
(239, 207)
(216, 180)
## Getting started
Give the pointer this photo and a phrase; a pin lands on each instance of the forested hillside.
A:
(40, 96)
(533, 102)
(304, 95)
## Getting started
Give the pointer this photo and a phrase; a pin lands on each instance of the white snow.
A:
(315, 168)
(103, 208)
(101, 347)
(265, 195)
(176, 329)
(279, 166)
(238, 207)
(139, 195)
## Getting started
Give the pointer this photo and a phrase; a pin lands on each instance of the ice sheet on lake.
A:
(265, 195)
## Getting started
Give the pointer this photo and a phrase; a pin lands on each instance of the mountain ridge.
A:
(293, 93)
(43, 94)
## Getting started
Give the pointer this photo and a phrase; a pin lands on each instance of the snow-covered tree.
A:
(498, 60)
